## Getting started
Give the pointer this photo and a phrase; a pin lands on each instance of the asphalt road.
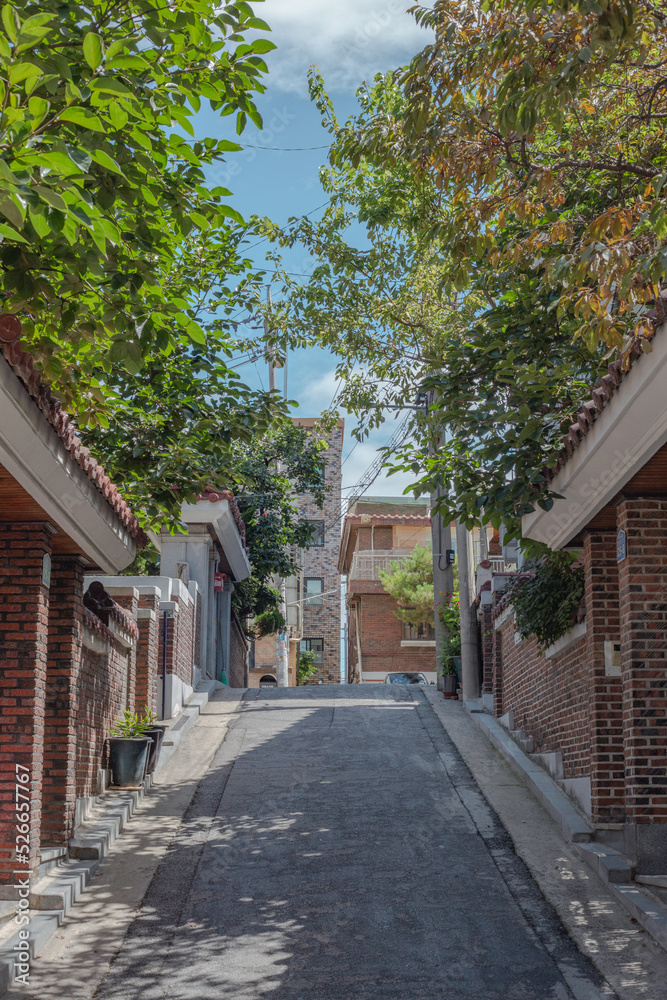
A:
(339, 849)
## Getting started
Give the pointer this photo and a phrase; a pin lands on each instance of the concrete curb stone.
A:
(610, 865)
(53, 895)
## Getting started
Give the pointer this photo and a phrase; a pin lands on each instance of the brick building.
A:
(595, 703)
(313, 600)
(377, 533)
(319, 590)
(79, 646)
(64, 671)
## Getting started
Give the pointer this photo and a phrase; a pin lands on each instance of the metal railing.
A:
(366, 564)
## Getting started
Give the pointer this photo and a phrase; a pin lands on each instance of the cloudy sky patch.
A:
(349, 40)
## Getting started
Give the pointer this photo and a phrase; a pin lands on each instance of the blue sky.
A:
(349, 41)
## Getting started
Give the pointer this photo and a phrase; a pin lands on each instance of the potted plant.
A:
(156, 733)
(128, 749)
(449, 614)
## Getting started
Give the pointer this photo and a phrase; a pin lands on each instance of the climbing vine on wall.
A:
(545, 604)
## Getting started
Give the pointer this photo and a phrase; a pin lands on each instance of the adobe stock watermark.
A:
(22, 852)
(374, 26)
(276, 123)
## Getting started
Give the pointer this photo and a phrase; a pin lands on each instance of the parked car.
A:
(405, 678)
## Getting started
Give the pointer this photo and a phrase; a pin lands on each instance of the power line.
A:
(371, 473)
(284, 149)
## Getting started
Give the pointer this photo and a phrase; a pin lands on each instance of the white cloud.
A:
(315, 389)
(349, 40)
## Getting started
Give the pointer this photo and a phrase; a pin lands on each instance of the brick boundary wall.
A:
(181, 637)
(148, 645)
(606, 713)
(24, 607)
(60, 728)
(549, 698)
(487, 648)
(643, 622)
(105, 690)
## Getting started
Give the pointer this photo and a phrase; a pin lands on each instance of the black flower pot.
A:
(128, 760)
(450, 684)
(156, 733)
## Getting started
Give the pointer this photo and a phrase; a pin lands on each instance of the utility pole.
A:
(469, 656)
(282, 638)
(271, 356)
(443, 579)
(282, 641)
(443, 570)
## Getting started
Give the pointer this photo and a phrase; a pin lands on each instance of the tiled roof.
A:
(23, 367)
(213, 494)
(589, 412)
(374, 519)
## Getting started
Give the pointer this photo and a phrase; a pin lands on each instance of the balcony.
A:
(366, 564)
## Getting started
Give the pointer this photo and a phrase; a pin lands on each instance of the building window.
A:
(315, 646)
(317, 538)
(313, 588)
(421, 632)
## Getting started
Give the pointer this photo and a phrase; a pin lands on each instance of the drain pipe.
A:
(164, 663)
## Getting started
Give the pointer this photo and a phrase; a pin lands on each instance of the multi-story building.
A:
(377, 533)
(312, 597)
(320, 580)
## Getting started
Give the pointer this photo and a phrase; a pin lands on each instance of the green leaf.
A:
(93, 50)
(82, 116)
(81, 157)
(118, 116)
(231, 213)
(51, 197)
(262, 45)
(109, 85)
(12, 210)
(106, 161)
(11, 234)
(22, 71)
(11, 22)
(38, 108)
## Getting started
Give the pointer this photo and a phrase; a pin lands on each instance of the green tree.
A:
(389, 295)
(546, 601)
(542, 123)
(101, 175)
(410, 583)
(307, 666)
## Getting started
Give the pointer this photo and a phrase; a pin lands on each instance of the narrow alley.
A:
(338, 848)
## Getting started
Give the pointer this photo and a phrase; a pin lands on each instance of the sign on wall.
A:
(621, 546)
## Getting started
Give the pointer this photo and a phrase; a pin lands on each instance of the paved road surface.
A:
(338, 849)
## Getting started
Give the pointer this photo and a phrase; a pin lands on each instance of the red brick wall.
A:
(487, 648)
(24, 603)
(180, 641)
(147, 652)
(602, 625)
(549, 698)
(381, 637)
(643, 621)
(105, 689)
(64, 664)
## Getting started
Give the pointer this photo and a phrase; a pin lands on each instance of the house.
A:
(80, 643)
(377, 533)
(312, 597)
(595, 704)
(64, 673)
(199, 636)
